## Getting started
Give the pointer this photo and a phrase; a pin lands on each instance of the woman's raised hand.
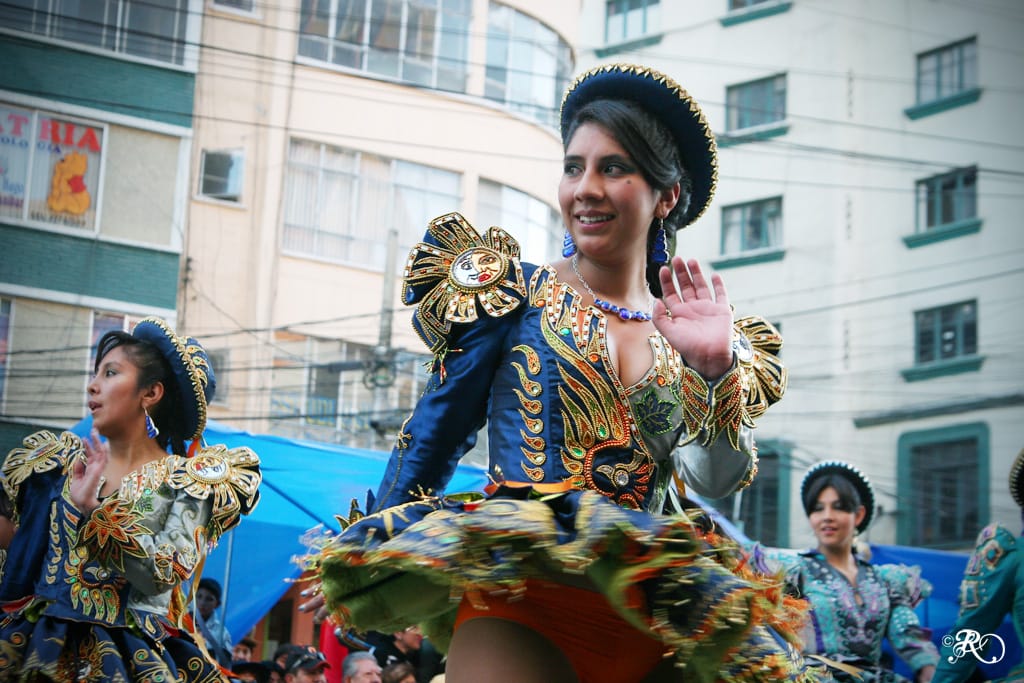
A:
(696, 319)
(87, 474)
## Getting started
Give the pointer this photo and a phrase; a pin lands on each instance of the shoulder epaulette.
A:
(454, 271)
(41, 452)
(994, 542)
(229, 477)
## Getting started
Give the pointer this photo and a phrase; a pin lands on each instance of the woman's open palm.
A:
(87, 473)
(696, 318)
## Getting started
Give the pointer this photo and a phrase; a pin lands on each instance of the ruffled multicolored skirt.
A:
(35, 646)
(673, 577)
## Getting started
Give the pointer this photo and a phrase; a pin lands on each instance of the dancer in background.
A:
(110, 527)
(993, 585)
(854, 604)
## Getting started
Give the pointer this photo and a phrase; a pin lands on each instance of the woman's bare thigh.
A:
(489, 650)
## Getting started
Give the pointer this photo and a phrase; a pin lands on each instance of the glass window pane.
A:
(15, 144)
(969, 66)
(92, 22)
(155, 30)
(926, 336)
(946, 501)
(927, 77)
(947, 73)
(222, 174)
(453, 52)
(537, 226)
(525, 64)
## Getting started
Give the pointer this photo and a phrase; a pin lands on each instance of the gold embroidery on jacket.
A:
(595, 411)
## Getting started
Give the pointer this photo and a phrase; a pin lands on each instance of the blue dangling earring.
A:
(568, 246)
(659, 250)
(151, 430)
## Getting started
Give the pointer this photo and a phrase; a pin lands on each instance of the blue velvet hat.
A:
(850, 473)
(190, 366)
(666, 100)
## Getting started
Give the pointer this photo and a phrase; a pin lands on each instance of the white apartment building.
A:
(869, 202)
(327, 134)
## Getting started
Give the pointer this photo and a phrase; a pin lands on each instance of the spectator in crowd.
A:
(360, 667)
(282, 651)
(408, 645)
(402, 646)
(209, 624)
(255, 672)
(275, 670)
(306, 665)
(244, 650)
(399, 672)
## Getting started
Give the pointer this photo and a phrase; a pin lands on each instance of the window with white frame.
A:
(419, 41)
(536, 225)
(141, 28)
(51, 168)
(944, 492)
(755, 103)
(5, 341)
(947, 71)
(341, 205)
(751, 226)
(528, 64)
(629, 19)
(220, 174)
(947, 198)
(946, 332)
(320, 390)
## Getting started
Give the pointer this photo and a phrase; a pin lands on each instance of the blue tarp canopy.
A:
(304, 485)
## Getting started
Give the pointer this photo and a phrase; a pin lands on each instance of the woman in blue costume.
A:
(854, 604)
(109, 530)
(993, 585)
(600, 382)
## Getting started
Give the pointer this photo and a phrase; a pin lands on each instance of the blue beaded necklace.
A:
(607, 306)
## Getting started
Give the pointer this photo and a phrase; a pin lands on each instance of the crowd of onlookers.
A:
(400, 657)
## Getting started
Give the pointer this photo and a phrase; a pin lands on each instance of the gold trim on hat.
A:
(192, 356)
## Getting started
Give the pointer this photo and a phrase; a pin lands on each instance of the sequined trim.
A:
(41, 452)
(229, 477)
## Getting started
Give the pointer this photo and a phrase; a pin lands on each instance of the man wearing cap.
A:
(306, 665)
(218, 640)
(993, 585)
